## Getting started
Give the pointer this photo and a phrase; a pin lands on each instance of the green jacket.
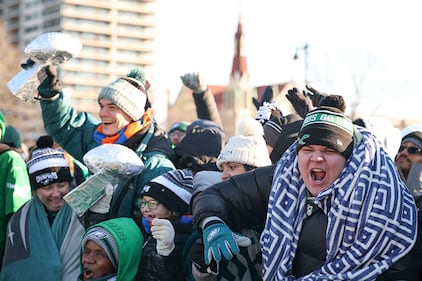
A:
(15, 189)
(75, 133)
(129, 242)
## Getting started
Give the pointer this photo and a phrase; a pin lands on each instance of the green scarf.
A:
(36, 251)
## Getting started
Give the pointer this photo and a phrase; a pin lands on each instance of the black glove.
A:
(197, 258)
(301, 103)
(315, 96)
(51, 86)
(29, 63)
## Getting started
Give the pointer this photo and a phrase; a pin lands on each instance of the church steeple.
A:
(239, 65)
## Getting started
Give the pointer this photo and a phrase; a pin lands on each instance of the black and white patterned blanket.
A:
(371, 217)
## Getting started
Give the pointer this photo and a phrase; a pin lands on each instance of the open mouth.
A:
(88, 275)
(318, 174)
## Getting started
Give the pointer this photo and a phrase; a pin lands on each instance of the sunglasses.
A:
(410, 150)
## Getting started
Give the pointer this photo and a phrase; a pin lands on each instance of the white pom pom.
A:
(250, 127)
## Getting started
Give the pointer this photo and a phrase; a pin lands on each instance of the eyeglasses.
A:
(410, 150)
(152, 204)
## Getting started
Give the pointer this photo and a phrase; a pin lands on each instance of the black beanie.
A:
(47, 166)
(327, 126)
(173, 189)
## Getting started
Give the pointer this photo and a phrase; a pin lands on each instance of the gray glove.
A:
(194, 81)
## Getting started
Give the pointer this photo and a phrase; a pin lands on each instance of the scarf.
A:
(36, 251)
(124, 134)
(371, 217)
(185, 219)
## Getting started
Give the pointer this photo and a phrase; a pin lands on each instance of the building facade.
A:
(117, 36)
(235, 100)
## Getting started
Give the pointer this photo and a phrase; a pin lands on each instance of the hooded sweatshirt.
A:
(129, 241)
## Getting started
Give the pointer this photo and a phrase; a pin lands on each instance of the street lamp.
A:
(303, 48)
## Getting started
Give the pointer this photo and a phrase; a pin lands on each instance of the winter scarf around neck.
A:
(124, 134)
(37, 251)
(371, 217)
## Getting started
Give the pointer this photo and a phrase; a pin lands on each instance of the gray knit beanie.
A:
(105, 240)
(126, 96)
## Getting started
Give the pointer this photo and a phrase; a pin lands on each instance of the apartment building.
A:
(117, 35)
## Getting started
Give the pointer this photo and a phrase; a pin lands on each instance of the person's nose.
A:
(103, 111)
(317, 156)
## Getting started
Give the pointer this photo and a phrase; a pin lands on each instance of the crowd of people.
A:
(304, 195)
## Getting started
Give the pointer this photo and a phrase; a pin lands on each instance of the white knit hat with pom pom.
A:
(248, 147)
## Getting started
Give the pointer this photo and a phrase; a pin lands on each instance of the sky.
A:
(368, 51)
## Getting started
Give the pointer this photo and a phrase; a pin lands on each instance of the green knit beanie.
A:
(12, 137)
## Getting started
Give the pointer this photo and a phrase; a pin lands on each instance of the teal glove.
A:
(218, 238)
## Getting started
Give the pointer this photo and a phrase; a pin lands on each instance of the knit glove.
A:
(219, 239)
(194, 81)
(314, 95)
(162, 230)
(51, 86)
(300, 102)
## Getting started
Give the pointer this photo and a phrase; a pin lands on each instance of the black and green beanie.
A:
(327, 126)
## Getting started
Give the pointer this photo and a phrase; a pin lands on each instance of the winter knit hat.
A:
(200, 147)
(173, 189)
(327, 126)
(126, 96)
(139, 76)
(179, 126)
(47, 166)
(2, 126)
(248, 147)
(272, 129)
(105, 240)
(12, 137)
(415, 137)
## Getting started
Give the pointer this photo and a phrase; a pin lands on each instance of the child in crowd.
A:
(164, 203)
(111, 250)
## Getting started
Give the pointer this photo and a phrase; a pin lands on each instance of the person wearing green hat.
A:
(15, 188)
(177, 132)
(124, 119)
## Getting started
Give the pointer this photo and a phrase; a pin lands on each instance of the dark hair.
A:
(249, 167)
(45, 141)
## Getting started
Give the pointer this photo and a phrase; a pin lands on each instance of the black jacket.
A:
(155, 267)
(242, 202)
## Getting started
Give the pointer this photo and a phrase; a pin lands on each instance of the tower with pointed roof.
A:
(234, 100)
(237, 99)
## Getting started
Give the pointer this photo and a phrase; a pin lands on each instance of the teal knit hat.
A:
(126, 96)
(12, 137)
(140, 76)
(179, 126)
(2, 125)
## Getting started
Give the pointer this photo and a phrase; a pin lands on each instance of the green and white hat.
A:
(327, 126)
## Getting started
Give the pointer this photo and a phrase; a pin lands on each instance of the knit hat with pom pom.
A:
(248, 147)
